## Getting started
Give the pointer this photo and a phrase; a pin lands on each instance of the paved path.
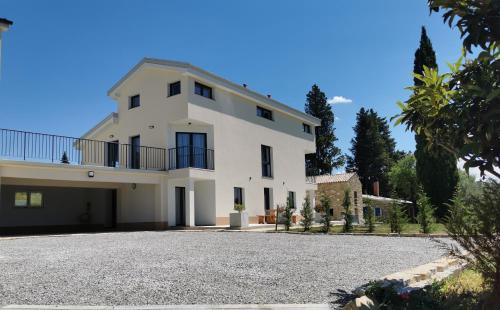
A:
(172, 267)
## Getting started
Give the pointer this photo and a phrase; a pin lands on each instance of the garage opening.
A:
(44, 209)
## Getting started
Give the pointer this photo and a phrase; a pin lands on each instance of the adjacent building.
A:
(183, 147)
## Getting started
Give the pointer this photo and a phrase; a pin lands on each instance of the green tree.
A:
(369, 216)
(372, 151)
(307, 214)
(64, 158)
(397, 217)
(425, 215)
(436, 171)
(403, 178)
(327, 156)
(288, 213)
(347, 211)
(326, 216)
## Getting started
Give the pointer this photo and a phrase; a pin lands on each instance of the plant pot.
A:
(238, 220)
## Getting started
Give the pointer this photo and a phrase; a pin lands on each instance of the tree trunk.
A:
(493, 301)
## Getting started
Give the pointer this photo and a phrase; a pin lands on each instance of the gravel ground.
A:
(145, 268)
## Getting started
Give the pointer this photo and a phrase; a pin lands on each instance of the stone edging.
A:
(364, 234)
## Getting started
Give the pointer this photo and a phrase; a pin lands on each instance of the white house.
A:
(183, 147)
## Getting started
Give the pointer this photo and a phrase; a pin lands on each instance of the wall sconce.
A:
(111, 136)
(151, 126)
(250, 179)
(134, 186)
(189, 123)
(90, 174)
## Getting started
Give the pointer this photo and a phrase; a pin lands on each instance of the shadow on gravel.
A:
(340, 298)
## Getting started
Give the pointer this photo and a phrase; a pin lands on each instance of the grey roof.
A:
(334, 178)
(187, 67)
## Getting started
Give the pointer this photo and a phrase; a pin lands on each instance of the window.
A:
(265, 113)
(28, 199)
(135, 152)
(378, 212)
(174, 88)
(306, 128)
(267, 198)
(203, 90)
(266, 161)
(134, 101)
(291, 199)
(356, 198)
(238, 196)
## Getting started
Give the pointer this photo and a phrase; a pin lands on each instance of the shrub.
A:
(347, 211)
(397, 218)
(369, 216)
(287, 214)
(307, 214)
(64, 158)
(425, 214)
(325, 218)
(239, 207)
(474, 223)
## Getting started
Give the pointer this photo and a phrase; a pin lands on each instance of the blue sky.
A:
(60, 57)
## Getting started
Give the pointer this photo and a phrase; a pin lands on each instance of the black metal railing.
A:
(190, 157)
(40, 147)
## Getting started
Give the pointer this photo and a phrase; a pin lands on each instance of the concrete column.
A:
(171, 216)
(190, 203)
(161, 203)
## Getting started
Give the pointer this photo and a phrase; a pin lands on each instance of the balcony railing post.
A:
(24, 146)
(146, 158)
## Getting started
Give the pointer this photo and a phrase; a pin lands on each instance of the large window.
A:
(203, 90)
(265, 113)
(291, 199)
(306, 128)
(174, 88)
(28, 199)
(238, 196)
(134, 101)
(267, 170)
(135, 152)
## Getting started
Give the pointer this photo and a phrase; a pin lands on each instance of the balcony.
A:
(45, 148)
(190, 157)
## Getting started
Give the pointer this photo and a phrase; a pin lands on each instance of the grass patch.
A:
(379, 229)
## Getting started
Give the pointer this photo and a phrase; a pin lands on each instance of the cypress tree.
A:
(437, 169)
(327, 156)
(372, 151)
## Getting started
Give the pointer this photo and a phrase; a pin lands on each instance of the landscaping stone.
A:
(362, 303)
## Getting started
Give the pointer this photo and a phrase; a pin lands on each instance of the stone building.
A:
(334, 187)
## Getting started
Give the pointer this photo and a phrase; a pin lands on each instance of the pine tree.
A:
(373, 151)
(307, 214)
(425, 215)
(369, 216)
(347, 211)
(327, 156)
(437, 169)
(64, 158)
(287, 214)
(326, 217)
(397, 218)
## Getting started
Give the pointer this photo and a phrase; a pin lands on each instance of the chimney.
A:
(268, 96)
(376, 188)
(245, 85)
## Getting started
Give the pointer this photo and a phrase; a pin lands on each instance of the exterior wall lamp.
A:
(90, 174)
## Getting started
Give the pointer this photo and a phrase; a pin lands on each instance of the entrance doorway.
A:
(180, 206)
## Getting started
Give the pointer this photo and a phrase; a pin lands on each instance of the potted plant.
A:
(238, 219)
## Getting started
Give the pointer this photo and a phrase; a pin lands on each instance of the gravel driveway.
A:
(141, 268)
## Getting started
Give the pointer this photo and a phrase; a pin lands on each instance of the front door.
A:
(180, 206)
(191, 150)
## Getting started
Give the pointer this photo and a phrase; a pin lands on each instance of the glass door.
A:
(135, 152)
(191, 148)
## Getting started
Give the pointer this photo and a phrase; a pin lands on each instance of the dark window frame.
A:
(265, 113)
(202, 88)
(135, 152)
(131, 104)
(306, 128)
(29, 205)
(266, 161)
(379, 211)
(174, 84)
(291, 194)
(239, 197)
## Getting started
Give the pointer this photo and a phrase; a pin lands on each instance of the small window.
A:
(331, 211)
(266, 161)
(28, 199)
(265, 113)
(378, 212)
(203, 90)
(291, 199)
(306, 128)
(21, 199)
(174, 88)
(238, 196)
(134, 101)
(356, 198)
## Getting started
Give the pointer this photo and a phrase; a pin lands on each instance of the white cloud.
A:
(339, 100)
